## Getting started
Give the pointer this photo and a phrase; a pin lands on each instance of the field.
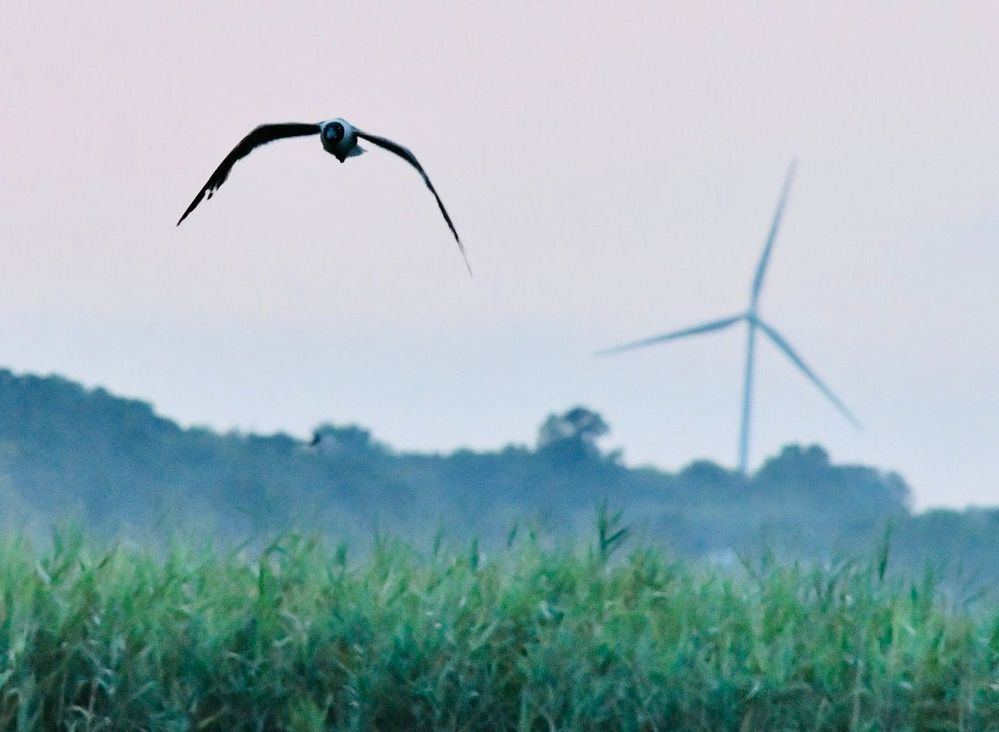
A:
(304, 636)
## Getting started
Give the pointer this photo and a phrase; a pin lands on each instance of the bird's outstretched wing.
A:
(406, 155)
(260, 136)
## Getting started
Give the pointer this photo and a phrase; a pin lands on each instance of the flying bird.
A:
(339, 139)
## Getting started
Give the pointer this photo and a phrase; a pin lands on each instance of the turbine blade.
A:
(695, 330)
(797, 360)
(761, 268)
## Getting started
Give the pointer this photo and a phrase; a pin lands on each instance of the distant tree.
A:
(796, 463)
(350, 439)
(572, 437)
(706, 472)
(706, 481)
(805, 474)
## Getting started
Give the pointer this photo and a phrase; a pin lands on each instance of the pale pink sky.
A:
(612, 169)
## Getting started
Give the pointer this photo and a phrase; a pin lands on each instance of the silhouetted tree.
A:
(572, 437)
(347, 440)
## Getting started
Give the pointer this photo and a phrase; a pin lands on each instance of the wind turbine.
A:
(752, 319)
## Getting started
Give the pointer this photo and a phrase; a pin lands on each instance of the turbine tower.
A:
(752, 319)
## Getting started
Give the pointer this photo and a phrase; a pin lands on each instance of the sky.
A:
(612, 169)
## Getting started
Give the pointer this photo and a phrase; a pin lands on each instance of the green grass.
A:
(299, 637)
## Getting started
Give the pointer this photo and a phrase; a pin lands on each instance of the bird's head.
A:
(333, 132)
(339, 137)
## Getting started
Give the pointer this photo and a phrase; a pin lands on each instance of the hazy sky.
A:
(612, 169)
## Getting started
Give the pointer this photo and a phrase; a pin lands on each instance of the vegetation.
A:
(510, 632)
(119, 468)
(529, 638)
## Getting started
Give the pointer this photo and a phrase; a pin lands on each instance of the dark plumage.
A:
(260, 136)
(406, 155)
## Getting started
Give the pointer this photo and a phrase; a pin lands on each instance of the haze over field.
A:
(612, 171)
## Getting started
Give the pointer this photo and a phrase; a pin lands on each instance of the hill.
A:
(113, 463)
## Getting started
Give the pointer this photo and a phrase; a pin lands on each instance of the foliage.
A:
(116, 466)
(299, 637)
(572, 437)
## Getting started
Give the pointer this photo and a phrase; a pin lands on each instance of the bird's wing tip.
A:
(464, 254)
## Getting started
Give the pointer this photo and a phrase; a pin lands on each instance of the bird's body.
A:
(339, 138)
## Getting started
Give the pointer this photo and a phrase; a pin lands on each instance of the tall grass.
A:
(301, 638)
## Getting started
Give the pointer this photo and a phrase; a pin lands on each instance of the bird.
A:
(339, 138)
